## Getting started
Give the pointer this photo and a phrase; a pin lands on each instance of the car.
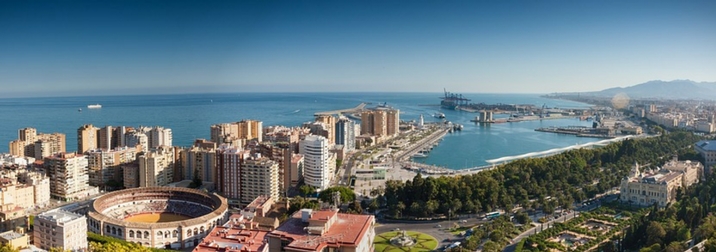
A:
(438, 226)
(463, 221)
(396, 229)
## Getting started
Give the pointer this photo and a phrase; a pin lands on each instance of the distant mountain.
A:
(676, 89)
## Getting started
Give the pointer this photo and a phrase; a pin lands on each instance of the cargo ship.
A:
(453, 101)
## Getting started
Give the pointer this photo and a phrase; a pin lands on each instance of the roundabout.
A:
(411, 241)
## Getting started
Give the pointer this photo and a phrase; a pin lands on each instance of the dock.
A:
(357, 109)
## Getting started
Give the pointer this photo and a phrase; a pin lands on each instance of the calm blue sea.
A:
(190, 116)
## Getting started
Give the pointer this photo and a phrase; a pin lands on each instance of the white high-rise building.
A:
(156, 167)
(319, 163)
(60, 229)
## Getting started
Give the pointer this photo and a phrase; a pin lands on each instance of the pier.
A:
(422, 144)
(357, 109)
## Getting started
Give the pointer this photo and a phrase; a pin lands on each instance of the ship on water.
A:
(453, 101)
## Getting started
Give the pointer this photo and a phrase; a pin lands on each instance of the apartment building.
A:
(318, 162)
(60, 229)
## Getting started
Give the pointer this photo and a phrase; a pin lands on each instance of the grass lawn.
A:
(423, 242)
(457, 231)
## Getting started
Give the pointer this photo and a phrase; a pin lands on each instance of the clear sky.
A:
(122, 47)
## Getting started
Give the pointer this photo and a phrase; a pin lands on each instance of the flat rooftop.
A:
(59, 216)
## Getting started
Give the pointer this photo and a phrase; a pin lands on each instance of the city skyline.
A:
(96, 48)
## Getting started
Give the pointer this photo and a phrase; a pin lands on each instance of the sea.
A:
(190, 116)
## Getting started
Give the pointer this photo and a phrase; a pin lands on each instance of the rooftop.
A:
(59, 216)
(708, 145)
(347, 230)
(231, 237)
(11, 235)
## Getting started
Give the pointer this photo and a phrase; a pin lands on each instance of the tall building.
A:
(104, 137)
(87, 138)
(32, 144)
(60, 229)
(199, 162)
(330, 124)
(345, 133)
(381, 122)
(156, 167)
(237, 133)
(393, 122)
(136, 138)
(49, 144)
(130, 173)
(118, 137)
(279, 152)
(27, 134)
(68, 175)
(228, 164)
(160, 136)
(319, 162)
(105, 166)
(259, 177)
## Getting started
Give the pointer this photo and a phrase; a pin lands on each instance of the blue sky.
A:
(127, 47)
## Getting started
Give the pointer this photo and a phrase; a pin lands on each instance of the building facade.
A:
(656, 187)
(345, 133)
(156, 167)
(104, 165)
(68, 175)
(87, 138)
(228, 163)
(319, 163)
(707, 149)
(259, 177)
(60, 229)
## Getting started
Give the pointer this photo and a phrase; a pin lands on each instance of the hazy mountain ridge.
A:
(676, 89)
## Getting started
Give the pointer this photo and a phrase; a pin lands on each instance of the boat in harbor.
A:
(419, 155)
(439, 115)
(94, 106)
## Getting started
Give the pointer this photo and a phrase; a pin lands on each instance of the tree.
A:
(523, 218)
(355, 207)
(655, 233)
(8, 248)
(675, 247)
(497, 236)
(490, 246)
(347, 195)
(306, 190)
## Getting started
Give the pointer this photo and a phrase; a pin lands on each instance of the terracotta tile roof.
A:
(346, 231)
(229, 238)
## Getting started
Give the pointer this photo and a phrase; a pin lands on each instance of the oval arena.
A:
(159, 217)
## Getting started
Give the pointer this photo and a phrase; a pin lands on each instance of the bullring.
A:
(159, 217)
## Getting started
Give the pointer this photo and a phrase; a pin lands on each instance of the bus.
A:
(492, 215)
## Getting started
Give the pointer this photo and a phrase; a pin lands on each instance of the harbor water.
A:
(190, 116)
